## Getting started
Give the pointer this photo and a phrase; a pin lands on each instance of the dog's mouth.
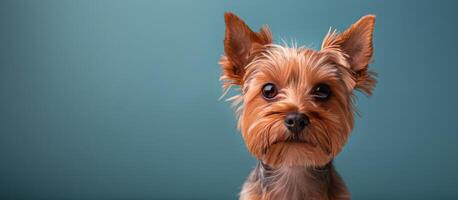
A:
(289, 138)
(295, 139)
(292, 139)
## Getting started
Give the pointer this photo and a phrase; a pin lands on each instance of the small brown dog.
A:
(296, 106)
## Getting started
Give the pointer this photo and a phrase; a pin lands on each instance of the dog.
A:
(295, 106)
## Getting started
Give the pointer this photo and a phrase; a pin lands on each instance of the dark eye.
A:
(269, 91)
(322, 92)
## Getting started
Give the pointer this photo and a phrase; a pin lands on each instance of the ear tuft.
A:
(240, 46)
(356, 44)
(356, 41)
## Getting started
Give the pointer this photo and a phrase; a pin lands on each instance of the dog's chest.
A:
(294, 183)
(288, 183)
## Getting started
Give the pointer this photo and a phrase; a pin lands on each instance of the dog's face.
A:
(295, 104)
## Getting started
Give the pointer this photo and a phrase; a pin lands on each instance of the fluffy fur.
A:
(301, 169)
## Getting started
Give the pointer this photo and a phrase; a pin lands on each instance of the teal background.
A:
(119, 99)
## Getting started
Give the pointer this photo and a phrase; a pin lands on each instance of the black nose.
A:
(296, 122)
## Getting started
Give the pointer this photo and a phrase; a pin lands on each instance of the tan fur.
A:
(251, 60)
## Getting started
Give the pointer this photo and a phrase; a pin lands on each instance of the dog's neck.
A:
(297, 182)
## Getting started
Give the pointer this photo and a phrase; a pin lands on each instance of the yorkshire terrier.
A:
(295, 106)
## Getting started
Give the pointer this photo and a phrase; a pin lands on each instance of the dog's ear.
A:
(241, 45)
(356, 45)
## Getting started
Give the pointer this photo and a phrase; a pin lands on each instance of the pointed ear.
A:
(356, 44)
(241, 45)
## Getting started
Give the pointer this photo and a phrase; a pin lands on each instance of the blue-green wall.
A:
(118, 99)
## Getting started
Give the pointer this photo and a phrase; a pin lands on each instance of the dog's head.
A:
(295, 104)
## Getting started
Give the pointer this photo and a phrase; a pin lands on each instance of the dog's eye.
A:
(322, 92)
(269, 91)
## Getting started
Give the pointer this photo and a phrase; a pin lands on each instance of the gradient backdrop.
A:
(119, 99)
